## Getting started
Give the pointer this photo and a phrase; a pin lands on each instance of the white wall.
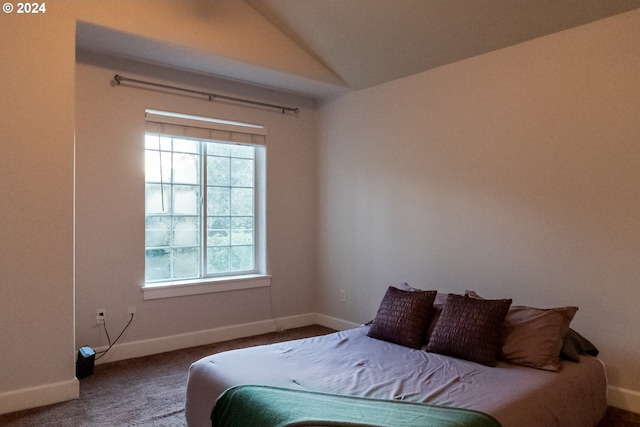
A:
(516, 174)
(110, 204)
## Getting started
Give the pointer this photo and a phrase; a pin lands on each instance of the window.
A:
(204, 200)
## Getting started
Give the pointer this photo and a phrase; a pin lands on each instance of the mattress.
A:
(351, 363)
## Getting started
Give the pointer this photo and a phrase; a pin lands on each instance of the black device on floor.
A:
(84, 363)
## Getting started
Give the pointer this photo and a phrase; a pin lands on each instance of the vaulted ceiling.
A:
(320, 48)
(367, 42)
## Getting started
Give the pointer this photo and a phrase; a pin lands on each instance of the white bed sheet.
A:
(351, 363)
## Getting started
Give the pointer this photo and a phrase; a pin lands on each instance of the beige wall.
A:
(513, 173)
(39, 120)
(110, 204)
(516, 174)
(36, 187)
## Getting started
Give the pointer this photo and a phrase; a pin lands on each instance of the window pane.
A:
(158, 231)
(157, 264)
(242, 201)
(244, 151)
(218, 231)
(242, 231)
(186, 231)
(241, 258)
(153, 141)
(218, 149)
(186, 168)
(186, 263)
(242, 172)
(154, 197)
(218, 200)
(186, 145)
(152, 166)
(186, 199)
(165, 143)
(218, 170)
(218, 260)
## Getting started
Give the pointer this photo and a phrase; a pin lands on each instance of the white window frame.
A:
(177, 124)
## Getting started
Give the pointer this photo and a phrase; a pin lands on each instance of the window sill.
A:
(205, 286)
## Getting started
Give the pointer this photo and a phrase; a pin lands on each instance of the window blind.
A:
(204, 128)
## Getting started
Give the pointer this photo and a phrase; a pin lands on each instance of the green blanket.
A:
(264, 406)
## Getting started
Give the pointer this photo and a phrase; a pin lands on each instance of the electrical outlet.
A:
(101, 316)
(343, 295)
(132, 312)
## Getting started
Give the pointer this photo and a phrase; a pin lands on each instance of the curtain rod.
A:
(211, 96)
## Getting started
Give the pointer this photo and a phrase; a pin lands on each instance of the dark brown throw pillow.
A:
(470, 329)
(402, 317)
(434, 313)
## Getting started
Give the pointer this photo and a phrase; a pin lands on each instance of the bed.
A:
(517, 390)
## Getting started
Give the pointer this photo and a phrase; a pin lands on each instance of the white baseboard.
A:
(292, 322)
(334, 323)
(151, 346)
(41, 395)
(623, 398)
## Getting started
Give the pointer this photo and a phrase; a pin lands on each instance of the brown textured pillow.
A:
(470, 329)
(534, 336)
(402, 317)
(434, 313)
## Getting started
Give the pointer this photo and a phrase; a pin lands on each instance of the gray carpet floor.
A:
(150, 391)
